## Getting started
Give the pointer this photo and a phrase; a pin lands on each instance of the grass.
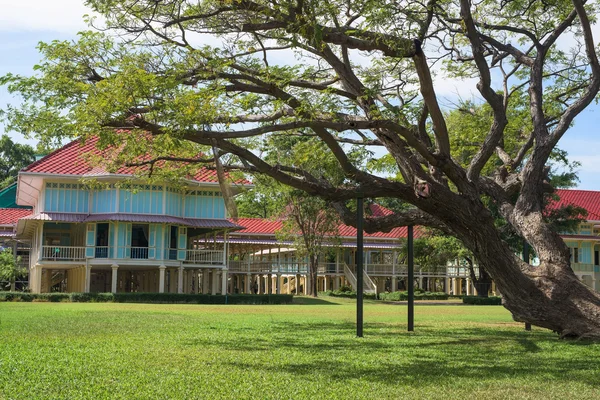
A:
(302, 351)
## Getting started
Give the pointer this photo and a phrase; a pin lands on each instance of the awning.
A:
(143, 218)
(57, 217)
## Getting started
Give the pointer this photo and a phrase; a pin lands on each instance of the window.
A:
(574, 251)
(173, 244)
(101, 240)
(139, 241)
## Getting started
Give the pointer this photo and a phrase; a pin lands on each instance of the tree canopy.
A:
(13, 158)
(174, 78)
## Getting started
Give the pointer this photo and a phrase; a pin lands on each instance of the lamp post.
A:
(359, 266)
(411, 281)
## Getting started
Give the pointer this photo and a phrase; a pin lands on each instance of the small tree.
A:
(10, 269)
(308, 222)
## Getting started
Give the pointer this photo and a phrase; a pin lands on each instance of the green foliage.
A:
(433, 251)
(403, 296)
(13, 158)
(166, 298)
(9, 266)
(483, 301)
(347, 293)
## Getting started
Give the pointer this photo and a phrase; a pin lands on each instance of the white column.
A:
(161, 279)
(115, 269)
(297, 284)
(278, 281)
(224, 281)
(468, 286)
(37, 279)
(215, 282)
(394, 287)
(248, 289)
(180, 280)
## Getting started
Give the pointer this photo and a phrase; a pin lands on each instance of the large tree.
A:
(348, 73)
(13, 158)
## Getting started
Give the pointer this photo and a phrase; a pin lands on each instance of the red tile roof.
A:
(586, 199)
(260, 226)
(10, 216)
(72, 159)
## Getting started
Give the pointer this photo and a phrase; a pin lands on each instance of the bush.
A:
(483, 301)
(349, 294)
(167, 298)
(403, 296)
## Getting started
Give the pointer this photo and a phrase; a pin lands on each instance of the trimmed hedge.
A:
(349, 294)
(167, 298)
(483, 301)
(403, 296)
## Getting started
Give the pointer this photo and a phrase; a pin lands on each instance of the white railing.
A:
(204, 257)
(63, 253)
(102, 252)
(580, 267)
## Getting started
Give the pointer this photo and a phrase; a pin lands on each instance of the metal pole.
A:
(411, 281)
(359, 267)
(526, 259)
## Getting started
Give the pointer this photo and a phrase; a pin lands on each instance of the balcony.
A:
(210, 257)
(63, 253)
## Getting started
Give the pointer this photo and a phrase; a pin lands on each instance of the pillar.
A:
(297, 280)
(447, 285)
(180, 280)
(469, 286)
(394, 286)
(420, 283)
(161, 279)
(248, 282)
(224, 281)
(215, 282)
(205, 281)
(37, 279)
(278, 284)
(113, 286)
(88, 278)
(326, 282)
(336, 282)
(306, 284)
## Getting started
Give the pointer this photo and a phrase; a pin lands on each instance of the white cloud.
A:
(65, 16)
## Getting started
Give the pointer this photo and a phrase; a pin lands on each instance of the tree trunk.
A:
(313, 276)
(549, 295)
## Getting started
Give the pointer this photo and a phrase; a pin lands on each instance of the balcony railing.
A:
(212, 257)
(580, 267)
(101, 252)
(63, 253)
(273, 267)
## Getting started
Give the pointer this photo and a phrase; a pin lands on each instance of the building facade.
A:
(119, 234)
(123, 235)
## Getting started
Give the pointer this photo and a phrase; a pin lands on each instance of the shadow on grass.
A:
(313, 301)
(390, 355)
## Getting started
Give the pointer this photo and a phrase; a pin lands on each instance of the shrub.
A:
(170, 298)
(403, 296)
(483, 301)
(349, 294)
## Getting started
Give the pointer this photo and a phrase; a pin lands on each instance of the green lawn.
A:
(304, 351)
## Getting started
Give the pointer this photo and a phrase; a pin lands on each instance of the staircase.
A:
(368, 284)
(291, 283)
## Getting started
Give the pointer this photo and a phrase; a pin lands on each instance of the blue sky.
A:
(24, 24)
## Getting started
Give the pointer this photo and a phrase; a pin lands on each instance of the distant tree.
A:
(309, 222)
(10, 270)
(13, 158)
